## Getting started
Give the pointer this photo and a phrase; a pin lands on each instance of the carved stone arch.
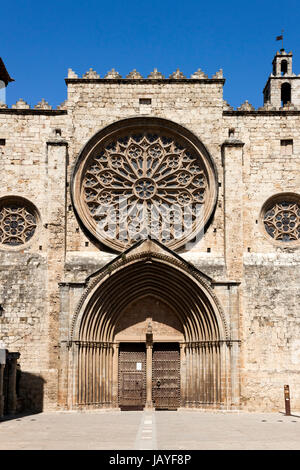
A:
(159, 168)
(199, 287)
(190, 314)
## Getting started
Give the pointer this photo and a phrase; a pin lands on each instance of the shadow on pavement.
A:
(294, 416)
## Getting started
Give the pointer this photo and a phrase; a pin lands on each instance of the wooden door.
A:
(165, 376)
(132, 376)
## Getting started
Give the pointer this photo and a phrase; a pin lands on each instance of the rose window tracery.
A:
(141, 184)
(282, 221)
(18, 223)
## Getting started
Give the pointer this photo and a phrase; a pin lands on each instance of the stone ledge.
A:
(233, 143)
(57, 142)
(261, 113)
(51, 112)
(139, 81)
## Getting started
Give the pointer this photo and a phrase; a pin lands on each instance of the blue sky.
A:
(39, 41)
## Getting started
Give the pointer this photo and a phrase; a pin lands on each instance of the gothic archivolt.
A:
(187, 291)
(147, 177)
(106, 310)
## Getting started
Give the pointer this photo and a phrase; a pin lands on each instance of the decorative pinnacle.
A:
(218, 74)
(43, 105)
(199, 74)
(20, 104)
(155, 74)
(91, 74)
(63, 105)
(227, 106)
(113, 74)
(177, 75)
(134, 74)
(246, 106)
(72, 74)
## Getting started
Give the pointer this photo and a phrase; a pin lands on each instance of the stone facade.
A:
(251, 279)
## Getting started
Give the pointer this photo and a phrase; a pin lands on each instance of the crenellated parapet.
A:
(199, 74)
(91, 74)
(43, 104)
(177, 75)
(113, 74)
(156, 74)
(135, 75)
(246, 106)
(21, 104)
(63, 105)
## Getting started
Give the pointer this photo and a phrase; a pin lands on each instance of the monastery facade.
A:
(149, 243)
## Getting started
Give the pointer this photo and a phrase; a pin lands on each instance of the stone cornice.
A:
(284, 77)
(262, 113)
(35, 112)
(140, 81)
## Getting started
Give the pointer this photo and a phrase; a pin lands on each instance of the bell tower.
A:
(283, 86)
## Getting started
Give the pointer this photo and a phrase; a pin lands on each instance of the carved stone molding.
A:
(94, 281)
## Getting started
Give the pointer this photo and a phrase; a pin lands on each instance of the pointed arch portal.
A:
(150, 322)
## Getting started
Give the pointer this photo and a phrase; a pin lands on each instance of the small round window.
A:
(281, 218)
(18, 221)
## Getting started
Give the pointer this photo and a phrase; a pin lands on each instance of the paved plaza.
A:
(159, 430)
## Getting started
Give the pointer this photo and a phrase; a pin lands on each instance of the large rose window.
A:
(144, 182)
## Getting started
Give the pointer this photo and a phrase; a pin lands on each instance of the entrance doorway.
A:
(165, 376)
(127, 342)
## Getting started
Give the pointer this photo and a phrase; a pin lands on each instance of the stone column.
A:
(235, 383)
(115, 378)
(149, 349)
(56, 230)
(74, 376)
(12, 375)
(2, 366)
(64, 346)
(182, 375)
(232, 159)
(224, 399)
(235, 309)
